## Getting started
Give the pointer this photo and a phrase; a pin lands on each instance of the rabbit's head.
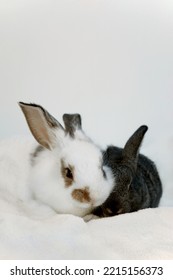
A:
(68, 172)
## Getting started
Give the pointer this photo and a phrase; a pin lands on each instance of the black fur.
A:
(137, 182)
(72, 122)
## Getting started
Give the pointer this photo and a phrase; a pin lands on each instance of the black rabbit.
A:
(137, 184)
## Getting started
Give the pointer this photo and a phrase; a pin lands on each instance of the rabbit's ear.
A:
(41, 124)
(72, 123)
(131, 149)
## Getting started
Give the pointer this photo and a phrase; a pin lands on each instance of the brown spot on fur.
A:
(82, 195)
(64, 169)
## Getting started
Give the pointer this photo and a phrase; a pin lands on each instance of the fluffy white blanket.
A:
(147, 234)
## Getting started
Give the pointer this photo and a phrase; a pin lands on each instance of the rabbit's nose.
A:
(82, 195)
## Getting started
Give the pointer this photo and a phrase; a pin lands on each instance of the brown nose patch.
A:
(81, 195)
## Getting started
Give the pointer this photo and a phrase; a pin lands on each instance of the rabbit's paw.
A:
(90, 217)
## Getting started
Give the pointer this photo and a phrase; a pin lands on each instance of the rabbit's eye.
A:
(68, 173)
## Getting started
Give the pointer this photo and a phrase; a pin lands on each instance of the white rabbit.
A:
(64, 171)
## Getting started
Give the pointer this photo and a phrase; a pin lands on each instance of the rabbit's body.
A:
(137, 184)
(63, 171)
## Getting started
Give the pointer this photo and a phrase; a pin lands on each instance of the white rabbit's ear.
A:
(72, 123)
(41, 124)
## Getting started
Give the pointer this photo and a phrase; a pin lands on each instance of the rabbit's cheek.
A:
(81, 195)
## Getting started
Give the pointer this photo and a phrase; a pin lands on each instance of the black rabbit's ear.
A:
(131, 148)
(72, 123)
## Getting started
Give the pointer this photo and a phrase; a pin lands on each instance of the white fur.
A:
(23, 182)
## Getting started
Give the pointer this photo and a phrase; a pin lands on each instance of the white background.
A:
(110, 60)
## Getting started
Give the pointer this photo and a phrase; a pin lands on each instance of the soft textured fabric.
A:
(147, 234)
